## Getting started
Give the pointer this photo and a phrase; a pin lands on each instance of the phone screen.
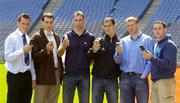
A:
(142, 48)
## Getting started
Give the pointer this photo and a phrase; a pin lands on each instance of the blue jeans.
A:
(69, 86)
(101, 86)
(132, 86)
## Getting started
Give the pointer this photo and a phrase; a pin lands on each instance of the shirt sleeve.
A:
(11, 54)
(32, 70)
(150, 45)
(118, 58)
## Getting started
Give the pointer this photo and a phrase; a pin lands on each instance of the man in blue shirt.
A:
(135, 69)
(163, 66)
(76, 43)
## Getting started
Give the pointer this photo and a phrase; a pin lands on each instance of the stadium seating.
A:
(10, 9)
(169, 12)
(96, 10)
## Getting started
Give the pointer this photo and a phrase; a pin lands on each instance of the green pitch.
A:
(3, 88)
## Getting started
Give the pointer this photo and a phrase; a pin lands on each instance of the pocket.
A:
(167, 87)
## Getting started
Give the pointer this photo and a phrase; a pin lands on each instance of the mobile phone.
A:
(142, 48)
(117, 43)
(31, 42)
(51, 43)
(65, 36)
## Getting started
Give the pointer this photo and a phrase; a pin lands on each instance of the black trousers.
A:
(19, 87)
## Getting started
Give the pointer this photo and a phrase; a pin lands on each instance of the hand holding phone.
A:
(147, 55)
(31, 43)
(142, 48)
(51, 43)
(65, 37)
(118, 43)
(50, 46)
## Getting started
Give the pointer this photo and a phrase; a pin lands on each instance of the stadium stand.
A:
(96, 10)
(126, 8)
(167, 11)
(10, 9)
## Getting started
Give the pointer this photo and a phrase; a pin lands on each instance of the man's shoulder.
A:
(12, 35)
(69, 32)
(36, 35)
(171, 43)
(146, 36)
(126, 38)
(89, 33)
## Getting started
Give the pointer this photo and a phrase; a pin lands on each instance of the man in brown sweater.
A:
(48, 65)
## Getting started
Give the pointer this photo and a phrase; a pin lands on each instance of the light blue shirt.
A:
(14, 54)
(131, 59)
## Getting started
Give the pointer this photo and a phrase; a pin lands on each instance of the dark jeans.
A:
(69, 86)
(101, 86)
(19, 87)
(132, 86)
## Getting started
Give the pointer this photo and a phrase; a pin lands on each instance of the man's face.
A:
(159, 30)
(78, 22)
(132, 27)
(24, 25)
(48, 23)
(109, 28)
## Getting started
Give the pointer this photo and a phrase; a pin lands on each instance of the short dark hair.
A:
(77, 13)
(48, 15)
(106, 19)
(23, 15)
(161, 22)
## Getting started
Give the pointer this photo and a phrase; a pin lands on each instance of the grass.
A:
(3, 88)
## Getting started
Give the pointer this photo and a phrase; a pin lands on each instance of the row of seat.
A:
(10, 9)
(169, 12)
(96, 10)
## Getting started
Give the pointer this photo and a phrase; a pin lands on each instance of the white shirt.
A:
(14, 54)
(50, 37)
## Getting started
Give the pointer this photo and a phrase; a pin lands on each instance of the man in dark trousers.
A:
(48, 65)
(21, 75)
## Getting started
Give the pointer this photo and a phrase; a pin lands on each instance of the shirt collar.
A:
(113, 38)
(165, 38)
(20, 33)
(137, 36)
(84, 32)
(47, 34)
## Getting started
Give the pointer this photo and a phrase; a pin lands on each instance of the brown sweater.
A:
(43, 61)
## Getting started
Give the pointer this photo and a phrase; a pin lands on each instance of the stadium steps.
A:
(148, 13)
(51, 7)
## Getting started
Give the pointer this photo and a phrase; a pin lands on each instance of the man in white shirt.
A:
(21, 74)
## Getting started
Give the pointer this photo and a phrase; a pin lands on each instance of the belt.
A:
(20, 73)
(133, 74)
